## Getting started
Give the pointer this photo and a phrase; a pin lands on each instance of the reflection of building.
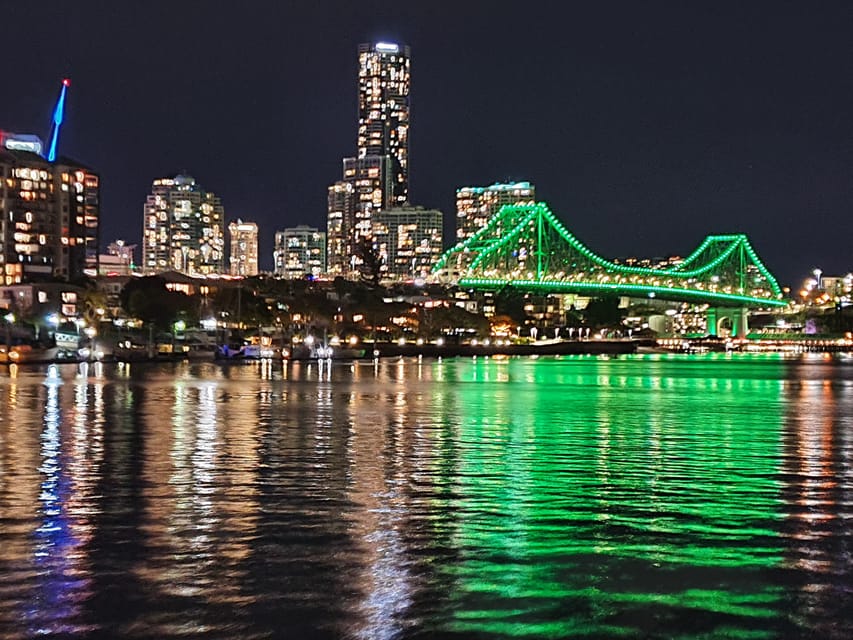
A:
(299, 251)
(408, 240)
(475, 205)
(49, 217)
(378, 177)
(244, 248)
(183, 228)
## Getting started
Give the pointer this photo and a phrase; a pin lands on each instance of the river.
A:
(635, 496)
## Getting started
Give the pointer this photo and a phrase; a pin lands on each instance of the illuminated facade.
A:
(383, 112)
(244, 248)
(49, 217)
(475, 205)
(184, 228)
(377, 177)
(338, 227)
(300, 251)
(408, 240)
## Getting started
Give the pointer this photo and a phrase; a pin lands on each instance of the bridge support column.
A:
(738, 318)
(711, 321)
(740, 323)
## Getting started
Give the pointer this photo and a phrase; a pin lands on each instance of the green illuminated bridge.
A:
(527, 248)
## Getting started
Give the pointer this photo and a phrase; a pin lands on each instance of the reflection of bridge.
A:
(525, 247)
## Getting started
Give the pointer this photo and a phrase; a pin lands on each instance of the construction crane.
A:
(58, 114)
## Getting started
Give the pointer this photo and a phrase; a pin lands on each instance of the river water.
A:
(641, 496)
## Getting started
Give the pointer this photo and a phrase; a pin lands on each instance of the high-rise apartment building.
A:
(475, 205)
(378, 176)
(383, 111)
(408, 240)
(300, 251)
(49, 217)
(244, 248)
(339, 221)
(184, 228)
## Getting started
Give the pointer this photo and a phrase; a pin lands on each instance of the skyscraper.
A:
(49, 217)
(184, 228)
(244, 248)
(475, 205)
(383, 112)
(378, 176)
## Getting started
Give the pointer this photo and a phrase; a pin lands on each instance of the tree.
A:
(149, 300)
(510, 302)
(603, 312)
(371, 262)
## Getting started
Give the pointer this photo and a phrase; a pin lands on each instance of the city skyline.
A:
(645, 129)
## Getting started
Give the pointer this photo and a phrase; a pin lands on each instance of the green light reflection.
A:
(599, 497)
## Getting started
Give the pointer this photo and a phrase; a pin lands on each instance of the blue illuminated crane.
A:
(58, 114)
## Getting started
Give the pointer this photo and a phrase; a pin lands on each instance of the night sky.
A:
(645, 126)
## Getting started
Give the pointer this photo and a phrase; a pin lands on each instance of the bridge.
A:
(526, 247)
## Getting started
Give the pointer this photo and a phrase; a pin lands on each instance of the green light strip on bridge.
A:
(528, 212)
(616, 288)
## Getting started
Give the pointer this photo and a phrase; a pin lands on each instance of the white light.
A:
(388, 47)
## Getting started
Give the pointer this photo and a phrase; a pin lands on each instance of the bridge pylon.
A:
(737, 317)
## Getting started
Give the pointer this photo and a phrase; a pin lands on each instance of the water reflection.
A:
(414, 498)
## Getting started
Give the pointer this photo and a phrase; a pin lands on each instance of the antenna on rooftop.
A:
(58, 115)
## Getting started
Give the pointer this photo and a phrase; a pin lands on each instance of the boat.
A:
(24, 353)
(200, 351)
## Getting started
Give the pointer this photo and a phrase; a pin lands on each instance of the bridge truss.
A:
(526, 247)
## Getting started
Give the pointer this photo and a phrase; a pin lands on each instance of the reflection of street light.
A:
(88, 352)
(9, 318)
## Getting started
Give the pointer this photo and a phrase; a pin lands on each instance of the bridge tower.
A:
(737, 317)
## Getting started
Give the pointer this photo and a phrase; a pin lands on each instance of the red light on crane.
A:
(66, 82)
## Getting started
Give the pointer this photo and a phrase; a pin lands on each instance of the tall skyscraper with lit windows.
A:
(377, 177)
(383, 112)
(244, 248)
(184, 228)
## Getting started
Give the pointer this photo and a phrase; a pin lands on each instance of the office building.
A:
(184, 228)
(244, 248)
(378, 175)
(475, 205)
(408, 240)
(300, 251)
(49, 216)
